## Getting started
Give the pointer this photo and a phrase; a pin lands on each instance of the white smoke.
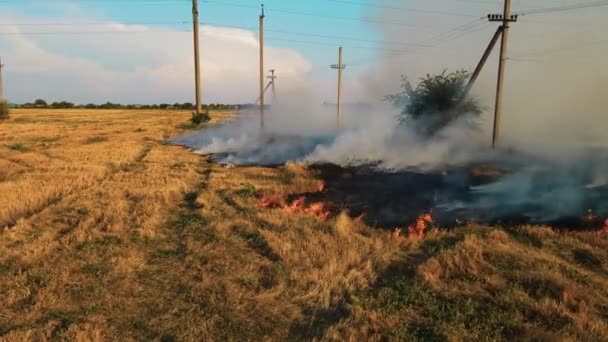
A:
(554, 139)
(310, 134)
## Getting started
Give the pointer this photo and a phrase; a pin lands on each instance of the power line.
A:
(415, 10)
(309, 34)
(52, 24)
(98, 23)
(565, 8)
(308, 42)
(539, 53)
(285, 11)
(21, 2)
(458, 31)
(464, 29)
(52, 33)
(332, 44)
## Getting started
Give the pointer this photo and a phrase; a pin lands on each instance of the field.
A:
(109, 233)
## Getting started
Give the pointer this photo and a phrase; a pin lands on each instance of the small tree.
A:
(40, 103)
(66, 104)
(199, 118)
(4, 110)
(436, 101)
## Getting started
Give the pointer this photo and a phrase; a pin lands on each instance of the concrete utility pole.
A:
(481, 64)
(273, 78)
(340, 67)
(266, 89)
(197, 66)
(1, 81)
(506, 18)
(262, 68)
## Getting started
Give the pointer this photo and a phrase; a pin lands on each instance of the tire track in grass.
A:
(136, 164)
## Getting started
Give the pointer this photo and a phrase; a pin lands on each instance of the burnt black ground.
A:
(391, 199)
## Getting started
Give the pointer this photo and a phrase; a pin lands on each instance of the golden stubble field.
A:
(109, 233)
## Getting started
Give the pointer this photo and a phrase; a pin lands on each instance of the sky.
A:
(140, 51)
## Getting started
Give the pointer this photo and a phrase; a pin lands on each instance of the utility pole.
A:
(506, 18)
(1, 81)
(272, 78)
(262, 68)
(340, 67)
(197, 66)
(481, 64)
(265, 89)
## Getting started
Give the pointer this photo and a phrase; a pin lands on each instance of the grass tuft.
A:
(95, 140)
(19, 148)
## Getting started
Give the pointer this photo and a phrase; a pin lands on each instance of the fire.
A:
(397, 232)
(590, 217)
(323, 216)
(423, 222)
(360, 218)
(317, 209)
(272, 201)
(296, 205)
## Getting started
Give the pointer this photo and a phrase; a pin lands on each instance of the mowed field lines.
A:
(52, 158)
(110, 234)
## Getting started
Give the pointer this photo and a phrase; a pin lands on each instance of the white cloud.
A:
(138, 64)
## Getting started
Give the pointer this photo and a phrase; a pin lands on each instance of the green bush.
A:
(199, 118)
(4, 110)
(436, 101)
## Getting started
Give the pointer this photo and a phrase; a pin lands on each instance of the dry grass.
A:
(110, 234)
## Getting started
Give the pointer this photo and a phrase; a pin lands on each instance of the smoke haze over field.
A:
(555, 110)
(556, 76)
(555, 117)
(555, 94)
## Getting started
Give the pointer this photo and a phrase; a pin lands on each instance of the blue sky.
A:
(233, 13)
(369, 30)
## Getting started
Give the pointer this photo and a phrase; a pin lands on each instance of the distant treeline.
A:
(109, 105)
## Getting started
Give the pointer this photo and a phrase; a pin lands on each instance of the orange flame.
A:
(397, 232)
(423, 222)
(316, 208)
(272, 201)
(296, 205)
(323, 216)
(360, 218)
(589, 217)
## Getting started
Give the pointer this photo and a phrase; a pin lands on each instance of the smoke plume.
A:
(552, 155)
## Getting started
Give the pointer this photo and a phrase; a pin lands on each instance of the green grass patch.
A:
(179, 165)
(47, 140)
(95, 140)
(248, 190)
(19, 148)
(99, 244)
(96, 269)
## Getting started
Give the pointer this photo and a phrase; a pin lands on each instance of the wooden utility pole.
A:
(262, 68)
(197, 66)
(506, 18)
(340, 67)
